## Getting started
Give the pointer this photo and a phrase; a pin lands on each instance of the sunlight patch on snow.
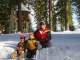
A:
(6, 48)
(6, 43)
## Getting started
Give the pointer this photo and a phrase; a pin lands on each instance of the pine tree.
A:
(40, 8)
(4, 15)
(14, 3)
(78, 12)
(64, 13)
(68, 14)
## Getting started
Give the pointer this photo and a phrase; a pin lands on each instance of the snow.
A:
(6, 48)
(56, 2)
(78, 30)
(32, 20)
(65, 46)
(66, 32)
(8, 44)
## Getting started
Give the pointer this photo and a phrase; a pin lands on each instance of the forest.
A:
(58, 14)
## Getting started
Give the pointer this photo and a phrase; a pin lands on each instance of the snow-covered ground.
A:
(8, 44)
(65, 46)
(66, 32)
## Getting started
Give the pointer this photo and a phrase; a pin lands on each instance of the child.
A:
(31, 45)
(19, 52)
(21, 48)
(42, 35)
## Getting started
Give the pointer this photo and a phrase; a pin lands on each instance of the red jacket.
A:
(41, 34)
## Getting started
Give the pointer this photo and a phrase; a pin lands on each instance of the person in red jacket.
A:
(42, 35)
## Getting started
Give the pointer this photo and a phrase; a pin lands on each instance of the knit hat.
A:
(42, 23)
(22, 37)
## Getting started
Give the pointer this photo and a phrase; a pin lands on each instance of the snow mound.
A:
(6, 48)
(5, 52)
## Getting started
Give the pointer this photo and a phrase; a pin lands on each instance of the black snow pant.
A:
(31, 53)
(45, 43)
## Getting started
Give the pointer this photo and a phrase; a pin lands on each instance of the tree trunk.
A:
(12, 19)
(53, 20)
(68, 14)
(50, 14)
(20, 18)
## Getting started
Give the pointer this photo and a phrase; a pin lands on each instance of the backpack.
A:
(32, 44)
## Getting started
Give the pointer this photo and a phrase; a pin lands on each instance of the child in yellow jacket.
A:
(31, 46)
